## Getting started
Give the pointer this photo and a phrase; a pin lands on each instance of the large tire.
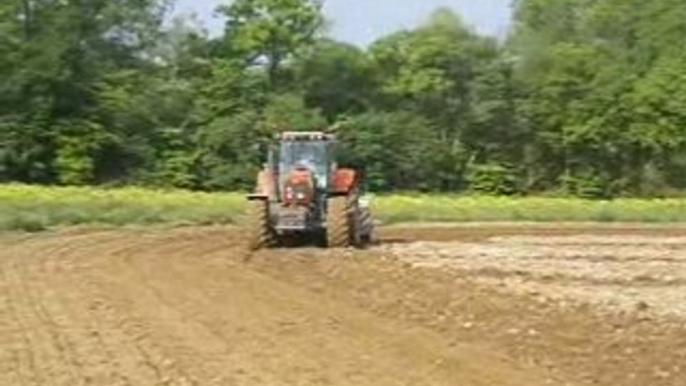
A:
(339, 224)
(260, 233)
(365, 227)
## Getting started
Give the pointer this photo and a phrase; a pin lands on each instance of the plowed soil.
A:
(453, 306)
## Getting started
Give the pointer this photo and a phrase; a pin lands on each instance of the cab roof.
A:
(306, 136)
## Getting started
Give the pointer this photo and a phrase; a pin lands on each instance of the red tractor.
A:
(303, 194)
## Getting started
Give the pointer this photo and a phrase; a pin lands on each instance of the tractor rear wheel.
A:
(365, 227)
(339, 224)
(260, 233)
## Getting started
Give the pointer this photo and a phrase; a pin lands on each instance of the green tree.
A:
(61, 55)
(337, 78)
(270, 32)
(603, 91)
(435, 71)
(387, 148)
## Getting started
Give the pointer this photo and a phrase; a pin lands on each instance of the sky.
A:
(363, 21)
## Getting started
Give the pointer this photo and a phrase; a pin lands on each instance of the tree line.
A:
(583, 97)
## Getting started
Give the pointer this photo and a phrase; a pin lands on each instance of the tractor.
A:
(302, 194)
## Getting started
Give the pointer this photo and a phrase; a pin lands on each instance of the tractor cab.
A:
(304, 152)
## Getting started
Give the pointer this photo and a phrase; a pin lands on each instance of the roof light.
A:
(306, 136)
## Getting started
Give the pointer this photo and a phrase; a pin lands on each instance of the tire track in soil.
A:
(181, 308)
(591, 345)
(90, 334)
(189, 307)
(265, 340)
(61, 328)
(12, 338)
(87, 340)
(141, 361)
(45, 362)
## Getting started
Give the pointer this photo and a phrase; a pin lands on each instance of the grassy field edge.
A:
(35, 208)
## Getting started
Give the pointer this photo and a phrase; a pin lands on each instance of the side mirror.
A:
(261, 149)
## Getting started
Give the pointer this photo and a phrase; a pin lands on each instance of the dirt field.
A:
(429, 306)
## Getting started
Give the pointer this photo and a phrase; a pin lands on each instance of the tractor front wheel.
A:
(260, 233)
(339, 224)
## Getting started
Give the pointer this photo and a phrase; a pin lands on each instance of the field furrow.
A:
(190, 307)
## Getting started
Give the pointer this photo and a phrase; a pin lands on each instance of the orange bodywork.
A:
(344, 180)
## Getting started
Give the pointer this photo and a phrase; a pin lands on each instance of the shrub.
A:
(492, 179)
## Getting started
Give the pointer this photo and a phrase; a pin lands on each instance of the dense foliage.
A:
(584, 97)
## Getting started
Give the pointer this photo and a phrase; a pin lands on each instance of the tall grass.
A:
(441, 208)
(35, 208)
